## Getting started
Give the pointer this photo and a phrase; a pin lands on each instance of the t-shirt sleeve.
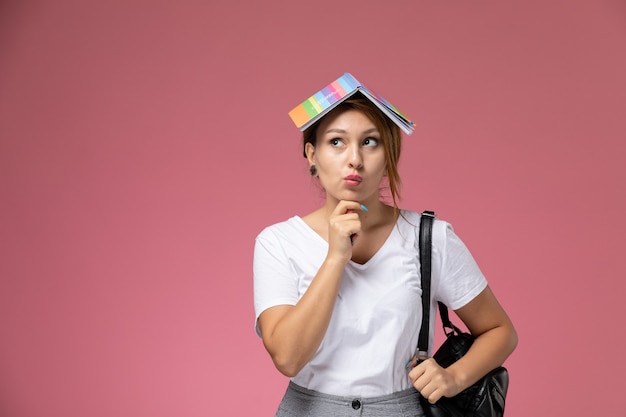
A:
(460, 278)
(274, 279)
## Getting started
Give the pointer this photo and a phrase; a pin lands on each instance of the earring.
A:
(313, 170)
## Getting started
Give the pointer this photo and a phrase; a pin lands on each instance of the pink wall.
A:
(143, 145)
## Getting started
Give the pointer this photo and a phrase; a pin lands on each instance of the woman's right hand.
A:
(344, 227)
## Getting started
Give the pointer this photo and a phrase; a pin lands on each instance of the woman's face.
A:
(349, 156)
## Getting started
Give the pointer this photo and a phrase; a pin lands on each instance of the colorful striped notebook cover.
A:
(320, 103)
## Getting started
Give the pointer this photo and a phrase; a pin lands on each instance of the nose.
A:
(355, 159)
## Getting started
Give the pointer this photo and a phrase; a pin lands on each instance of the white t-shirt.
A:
(375, 324)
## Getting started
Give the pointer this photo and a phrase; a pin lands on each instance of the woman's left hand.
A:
(433, 381)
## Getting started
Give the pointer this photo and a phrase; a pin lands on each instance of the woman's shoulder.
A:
(410, 219)
(284, 226)
(413, 217)
(291, 231)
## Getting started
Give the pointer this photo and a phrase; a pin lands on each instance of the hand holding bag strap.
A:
(425, 249)
(485, 398)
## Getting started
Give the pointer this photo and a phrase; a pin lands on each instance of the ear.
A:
(309, 150)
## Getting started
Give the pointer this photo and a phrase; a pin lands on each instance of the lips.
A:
(353, 179)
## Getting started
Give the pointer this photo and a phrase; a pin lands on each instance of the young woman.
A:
(337, 291)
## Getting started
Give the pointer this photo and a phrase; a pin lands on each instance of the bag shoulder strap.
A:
(425, 251)
(425, 248)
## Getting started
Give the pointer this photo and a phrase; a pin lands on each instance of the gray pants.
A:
(301, 402)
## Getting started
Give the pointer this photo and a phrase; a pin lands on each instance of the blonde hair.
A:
(390, 136)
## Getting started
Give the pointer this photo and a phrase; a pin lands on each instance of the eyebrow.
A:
(337, 130)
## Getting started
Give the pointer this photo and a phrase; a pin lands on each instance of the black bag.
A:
(486, 398)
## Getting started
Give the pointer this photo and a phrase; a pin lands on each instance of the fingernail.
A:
(364, 208)
(408, 364)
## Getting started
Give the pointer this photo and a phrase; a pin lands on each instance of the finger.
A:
(429, 389)
(431, 393)
(421, 366)
(433, 382)
(426, 393)
(424, 374)
(415, 374)
(434, 396)
(346, 206)
(350, 208)
(346, 224)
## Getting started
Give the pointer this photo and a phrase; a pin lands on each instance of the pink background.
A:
(143, 145)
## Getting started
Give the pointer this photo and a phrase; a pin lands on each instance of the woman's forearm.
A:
(292, 334)
(488, 351)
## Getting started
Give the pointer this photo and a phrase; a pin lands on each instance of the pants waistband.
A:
(348, 399)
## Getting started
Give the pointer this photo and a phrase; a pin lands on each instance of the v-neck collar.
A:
(357, 265)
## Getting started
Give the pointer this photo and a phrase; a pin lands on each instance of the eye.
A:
(336, 142)
(370, 142)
